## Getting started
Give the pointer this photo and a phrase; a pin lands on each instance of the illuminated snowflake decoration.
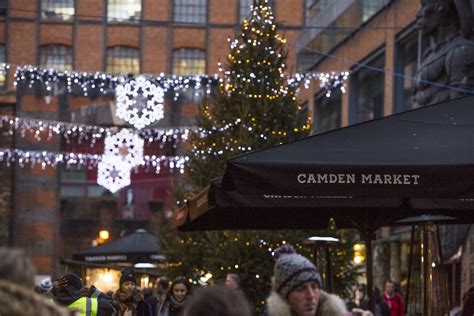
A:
(124, 146)
(139, 102)
(113, 175)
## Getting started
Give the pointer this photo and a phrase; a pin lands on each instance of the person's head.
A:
(15, 267)
(66, 288)
(377, 295)
(359, 292)
(147, 292)
(72, 280)
(180, 288)
(389, 287)
(162, 285)
(128, 280)
(217, 301)
(232, 281)
(296, 280)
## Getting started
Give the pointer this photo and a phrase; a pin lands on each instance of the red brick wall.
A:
(36, 201)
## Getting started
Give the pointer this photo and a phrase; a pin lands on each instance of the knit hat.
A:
(73, 280)
(46, 284)
(291, 270)
(128, 275)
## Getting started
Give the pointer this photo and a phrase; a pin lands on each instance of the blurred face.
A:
(159, 289)
(128, 286)
(230, 283)
(359, 294)
(304, 299)
(179, 291)
(389, 288)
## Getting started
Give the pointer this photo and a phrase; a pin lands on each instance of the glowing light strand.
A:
(93, 84)
(46, 129)
(98, 83)
(90, 161)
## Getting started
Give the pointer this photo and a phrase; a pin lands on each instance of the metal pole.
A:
(328, 269)
(441, 269)
(425, 265)
(370, 276)
(410, 267)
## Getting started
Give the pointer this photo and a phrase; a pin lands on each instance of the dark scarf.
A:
(128, 300)
(175, 306)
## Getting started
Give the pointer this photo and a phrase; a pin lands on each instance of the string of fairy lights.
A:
(83, 133)
(90, 161)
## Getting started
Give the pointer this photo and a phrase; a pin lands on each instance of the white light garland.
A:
(98, 83)
(113, 175)
(124, 146)
(83, 83)
(139, 102)
(46, 129)
(90, 161)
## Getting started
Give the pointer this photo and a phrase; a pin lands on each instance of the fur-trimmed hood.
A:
(329, 305)
(16, 300)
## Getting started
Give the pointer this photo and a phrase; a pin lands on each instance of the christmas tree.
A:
(254, 107)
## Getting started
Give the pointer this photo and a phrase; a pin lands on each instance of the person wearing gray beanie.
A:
(297, 288)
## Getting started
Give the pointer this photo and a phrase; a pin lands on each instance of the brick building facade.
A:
(45, 211)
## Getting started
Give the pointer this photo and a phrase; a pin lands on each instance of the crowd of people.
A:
(296, 291)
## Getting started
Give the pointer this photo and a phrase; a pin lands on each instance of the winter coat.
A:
(171, 307)
(67, 295)
(153, 302)
(18, 300)
(329, 305)
(133, 302)
(396, 304)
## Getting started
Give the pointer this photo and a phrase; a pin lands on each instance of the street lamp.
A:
(324, 242)
(104, 235)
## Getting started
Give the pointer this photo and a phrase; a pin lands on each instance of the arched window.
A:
(123, 60)
(57, 9)
(58, 57)
(188, 61)
(124, 10)
(190, 11)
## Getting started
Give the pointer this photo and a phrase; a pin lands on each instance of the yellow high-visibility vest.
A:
(85, 306)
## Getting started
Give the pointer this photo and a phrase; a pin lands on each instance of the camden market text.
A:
(352, 178)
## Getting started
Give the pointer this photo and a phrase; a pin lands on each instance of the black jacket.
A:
(65, 296)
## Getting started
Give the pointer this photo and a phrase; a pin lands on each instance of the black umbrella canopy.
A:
(365, 176)
(140, 246)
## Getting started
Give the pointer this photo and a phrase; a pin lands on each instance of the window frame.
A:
(241, 18)
(180, 4)
(354, 85)
(191, 49)
(56, 17)
(41, 55)
(129, 20)
(321, 95)
(401, 40)
(111, 48)
(4, 72)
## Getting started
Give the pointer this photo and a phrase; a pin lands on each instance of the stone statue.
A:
(449, 58)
